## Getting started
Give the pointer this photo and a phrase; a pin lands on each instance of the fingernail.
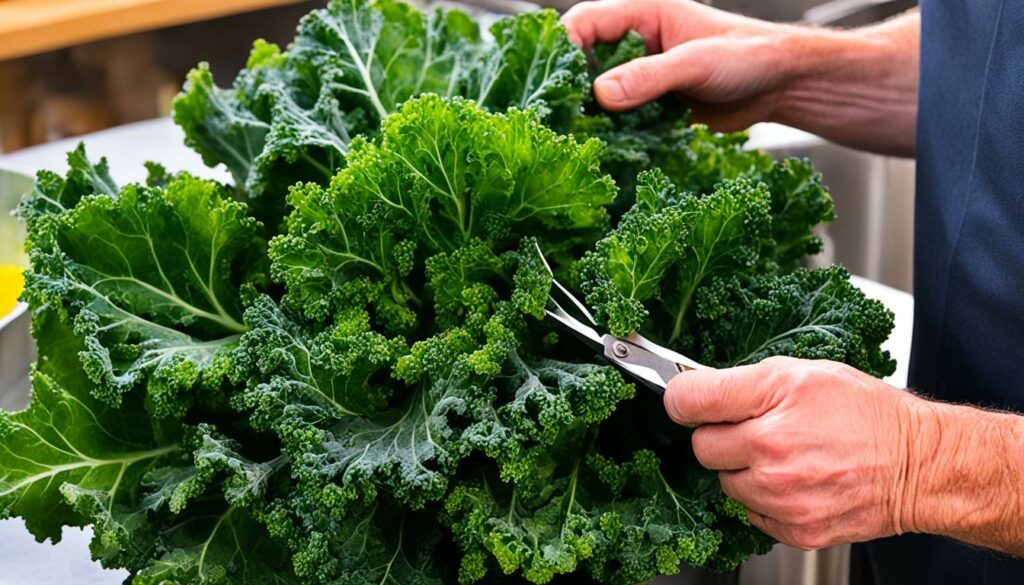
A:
(611, 90)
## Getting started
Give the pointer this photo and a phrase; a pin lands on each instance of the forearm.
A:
(856, 87)
(965, 475)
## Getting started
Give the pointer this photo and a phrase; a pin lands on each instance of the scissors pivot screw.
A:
(620, 350)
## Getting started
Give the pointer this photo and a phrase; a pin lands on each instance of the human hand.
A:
(730, 69)
(856, 87)
(817, 451)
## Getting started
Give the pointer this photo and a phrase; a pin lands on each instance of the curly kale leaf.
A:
(376, 395)
(813, 314)
(799, 202)
(443, 175)
(53, 194)
(150, 278)
(623, 523)
(218, 545)
(645, 273)
(333, 368)
(467, 390)
(291, 115)
(381, 542)
(72, 460)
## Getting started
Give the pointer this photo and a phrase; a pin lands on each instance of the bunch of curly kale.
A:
(337, 370)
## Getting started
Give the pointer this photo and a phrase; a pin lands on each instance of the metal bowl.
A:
(17, 350)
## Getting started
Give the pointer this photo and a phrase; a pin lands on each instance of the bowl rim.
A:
(15, 313)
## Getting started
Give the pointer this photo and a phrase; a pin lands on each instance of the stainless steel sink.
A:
(873, 233)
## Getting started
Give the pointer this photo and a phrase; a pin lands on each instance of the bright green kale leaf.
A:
(645, 273)
(443, 175)
(53, 194)
(150, 279)
(291, 116)
(813, 314)
(68, 442)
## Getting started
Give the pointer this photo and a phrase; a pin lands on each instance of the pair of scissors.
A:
(648, 362)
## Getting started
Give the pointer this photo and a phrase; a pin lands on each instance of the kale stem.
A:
(684, 306)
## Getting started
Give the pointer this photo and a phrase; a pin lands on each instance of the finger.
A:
(723, 447)
(590, 23)
(740, 486)
(645, 79)
(730, 117)
(769, 525)
(715, 396)
(802, 537)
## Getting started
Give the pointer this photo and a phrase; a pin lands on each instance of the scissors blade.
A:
(584, 332)
(565, 300)
(648, 362)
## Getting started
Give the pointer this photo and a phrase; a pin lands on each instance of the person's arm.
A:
(855, 87)
(822, 454)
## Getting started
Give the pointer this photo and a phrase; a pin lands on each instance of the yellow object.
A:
(11, 282)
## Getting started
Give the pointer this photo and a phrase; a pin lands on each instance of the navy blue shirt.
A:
(969, 249)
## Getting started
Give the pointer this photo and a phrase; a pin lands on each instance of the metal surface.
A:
(16, 348)
(856, 12)
(873, 195)
(651, 363)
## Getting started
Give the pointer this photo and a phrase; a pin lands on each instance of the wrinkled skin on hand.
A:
(816, 450)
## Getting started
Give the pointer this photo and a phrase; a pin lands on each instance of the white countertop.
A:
(25, 562)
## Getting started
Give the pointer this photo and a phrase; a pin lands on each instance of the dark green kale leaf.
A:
(697, 160)
(68, 440)
(72, 460)
(812, 314)
(622, 523)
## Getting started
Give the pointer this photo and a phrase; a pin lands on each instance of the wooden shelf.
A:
(35, 26)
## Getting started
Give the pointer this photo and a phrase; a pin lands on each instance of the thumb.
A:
(729, 395)
(645, 79)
